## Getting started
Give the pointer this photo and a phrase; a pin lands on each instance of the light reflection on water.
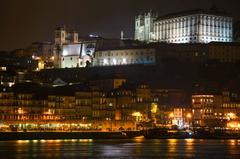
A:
(134, 148)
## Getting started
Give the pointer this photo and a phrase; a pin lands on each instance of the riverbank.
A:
(68, 135)
(106, 135)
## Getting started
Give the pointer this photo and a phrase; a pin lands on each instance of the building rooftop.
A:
(128, 48)
(211, 11)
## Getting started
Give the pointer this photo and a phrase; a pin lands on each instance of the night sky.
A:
(25, 21)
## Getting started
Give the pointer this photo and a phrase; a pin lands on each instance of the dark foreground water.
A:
(134, 148)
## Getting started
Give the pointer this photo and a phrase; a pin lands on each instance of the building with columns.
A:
(194, 26)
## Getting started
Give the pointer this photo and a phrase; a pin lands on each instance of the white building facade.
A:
(195, 26)
(125, 57)
(77, 55)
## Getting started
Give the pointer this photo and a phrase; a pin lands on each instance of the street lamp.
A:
(189, 116)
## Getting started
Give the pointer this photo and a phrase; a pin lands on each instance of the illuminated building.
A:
(194, 26)
(181, 117)
(204, 107)
(213, 110)
(112, 104)
(77, 54)
(72, 51)
(70, 55)
(144, 26)
(84, 104)
(125, 56)
(62, 37)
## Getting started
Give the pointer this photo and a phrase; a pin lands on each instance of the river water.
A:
(129, 148)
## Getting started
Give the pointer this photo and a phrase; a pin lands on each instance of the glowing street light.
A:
(171, 115)
(20, 111)
(189, 115)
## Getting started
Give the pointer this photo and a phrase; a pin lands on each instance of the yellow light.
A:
(139, 138)
(189, 115)
(20, 111)
(153, 108)
(171, 115)
(137, 114)
(231, 115)
(233, 125)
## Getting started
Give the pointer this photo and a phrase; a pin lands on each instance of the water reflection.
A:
(135, 148)
(189, 145)
(172, 145)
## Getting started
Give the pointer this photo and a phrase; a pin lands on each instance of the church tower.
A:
(60, 36)
(144, 26)
(149, 19)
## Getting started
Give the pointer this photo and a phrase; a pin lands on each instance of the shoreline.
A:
(66, 135)
(8, 136)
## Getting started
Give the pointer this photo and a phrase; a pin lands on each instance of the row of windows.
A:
(163, 35)
(212, 31)
(99, 54)
(194, 23)
(187, 27)
(195, 39)
(126, 61)
(206, 18)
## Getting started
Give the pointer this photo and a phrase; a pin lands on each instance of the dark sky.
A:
(26, 21)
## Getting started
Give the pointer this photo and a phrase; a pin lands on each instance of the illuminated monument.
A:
(70, 51)
(194, 26)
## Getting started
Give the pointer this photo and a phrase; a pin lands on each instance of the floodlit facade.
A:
(77, 54)
(195, 26)
(70, 56)
(144, 26)
(124, 57)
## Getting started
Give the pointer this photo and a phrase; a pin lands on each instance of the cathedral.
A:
(194, 26)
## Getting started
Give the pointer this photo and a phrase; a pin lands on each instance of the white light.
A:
(124, 61)
(114, 61)
(65, 52)
(105, 61)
